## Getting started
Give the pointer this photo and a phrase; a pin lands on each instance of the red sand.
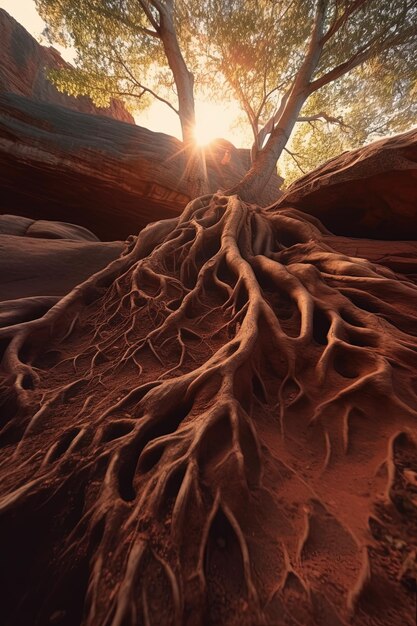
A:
(217, 429)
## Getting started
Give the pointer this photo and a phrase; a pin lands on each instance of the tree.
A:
(351, 64)
(286, 62)
(128, 48)
(216, 429)
(380, 102)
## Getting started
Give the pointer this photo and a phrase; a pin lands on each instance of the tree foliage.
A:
(114, 53)
(298, 70)
(128, 49)
(372, 101)
(350, 63)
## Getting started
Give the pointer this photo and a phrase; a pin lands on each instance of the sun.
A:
(213, 121)
(203, 135)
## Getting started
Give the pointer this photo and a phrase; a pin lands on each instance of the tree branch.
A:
(149, 15)
(305, 72)
(340, 21)
(143, 87)
(155, 95)
(246, 105)
(125, 20)
(148, 31)
(324, 117)
(161, 7)
(294, 156)
(366, 52)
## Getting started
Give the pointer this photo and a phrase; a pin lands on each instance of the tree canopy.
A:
(351, 64)
(295, 69)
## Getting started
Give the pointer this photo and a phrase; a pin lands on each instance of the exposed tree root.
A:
(208, 432)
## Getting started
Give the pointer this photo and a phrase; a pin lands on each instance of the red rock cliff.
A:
(23, 65)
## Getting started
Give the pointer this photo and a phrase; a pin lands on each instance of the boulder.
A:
(368, 192)
(23, 70)
(111, 177)
(42, 261)
(25, 227)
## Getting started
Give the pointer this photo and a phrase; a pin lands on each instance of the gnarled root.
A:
(198, 434)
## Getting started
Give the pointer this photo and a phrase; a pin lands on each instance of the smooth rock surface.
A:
(42, 261)
(25, 227)
(369, 192)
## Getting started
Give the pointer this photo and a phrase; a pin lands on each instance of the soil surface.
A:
(219, 428)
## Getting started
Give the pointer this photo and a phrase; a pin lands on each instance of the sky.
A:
(24, 11)
(213, 120)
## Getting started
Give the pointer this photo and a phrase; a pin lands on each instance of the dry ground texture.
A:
(217, 429)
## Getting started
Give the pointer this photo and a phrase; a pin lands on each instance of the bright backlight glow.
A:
(24, 11)
(214, 121)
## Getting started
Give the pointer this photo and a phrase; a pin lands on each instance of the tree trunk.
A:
(195, 171)
(210, 432)
(264, 164)
(282, 123)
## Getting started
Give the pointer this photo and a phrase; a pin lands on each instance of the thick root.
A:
(206, 432)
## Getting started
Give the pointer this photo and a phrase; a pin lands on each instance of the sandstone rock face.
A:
(23, 65)
(108, 176)
(25, 227)
(369, 192)
(42, 261)
(398, 256)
